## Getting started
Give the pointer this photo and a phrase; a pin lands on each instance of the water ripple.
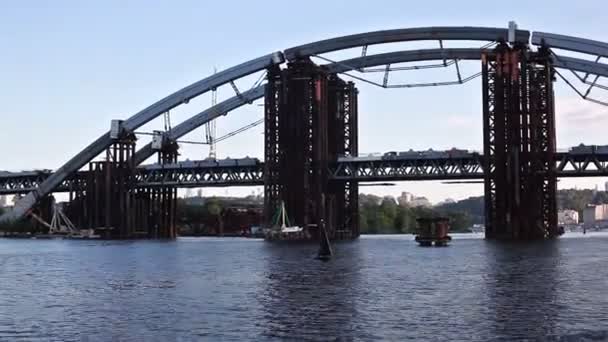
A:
(378, 288)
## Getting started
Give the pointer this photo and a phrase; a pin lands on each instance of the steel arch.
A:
(558, 41)
(365, 39)
(201, 118)
(404, 35)
(354, 64)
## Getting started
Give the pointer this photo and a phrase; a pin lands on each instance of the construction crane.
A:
(210, 127)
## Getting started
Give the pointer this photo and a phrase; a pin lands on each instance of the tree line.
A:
(384, 216)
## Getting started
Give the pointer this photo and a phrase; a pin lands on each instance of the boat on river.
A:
(282, 230)
(433, 231)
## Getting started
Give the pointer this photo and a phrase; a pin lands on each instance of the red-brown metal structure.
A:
(310, 119)
(519, 143)
(114, 207)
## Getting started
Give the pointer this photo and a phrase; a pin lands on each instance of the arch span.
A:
(489, 34)
(323, 46)
(235, 102)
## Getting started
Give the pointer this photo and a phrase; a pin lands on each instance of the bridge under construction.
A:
(311, 153)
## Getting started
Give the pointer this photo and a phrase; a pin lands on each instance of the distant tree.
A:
(388, 207)
(401, 220)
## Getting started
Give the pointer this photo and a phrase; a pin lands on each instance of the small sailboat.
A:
(283, 230)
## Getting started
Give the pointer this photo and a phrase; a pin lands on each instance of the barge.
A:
(433, 231)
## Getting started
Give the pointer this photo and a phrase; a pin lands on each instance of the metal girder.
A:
(562, 62)
(202, 118)
(581, 165)
(402, 57)
(404, 35)
(581, 65)
(558, 41)
(139, 119)
(217, 176)
(411, 169)
(24, 182)
(470, 167)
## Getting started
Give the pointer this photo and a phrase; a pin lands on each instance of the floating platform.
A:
(433, 232)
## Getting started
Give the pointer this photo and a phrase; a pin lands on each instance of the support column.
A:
(519, 141)
(109, 197)
(310, 120)
(343, 207)
(296, 143)
(168, 195)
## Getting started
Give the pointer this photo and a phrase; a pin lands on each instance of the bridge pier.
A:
(519, 143)
(108, 198)
(343, 141)
(310, 119)
(112, 205)
(164, 199)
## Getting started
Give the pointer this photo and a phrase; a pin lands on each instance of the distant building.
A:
(405, 199)
(3, 201)
(594, 214)
(420, 202)
(567, 216)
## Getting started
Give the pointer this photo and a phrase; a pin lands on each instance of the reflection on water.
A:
(522, 288)
(377, 288)
(314, 305)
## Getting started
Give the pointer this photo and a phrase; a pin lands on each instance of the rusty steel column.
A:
(296, 143)
(310, 121)
(342, 204)
(519, 142)
(540, 178)
(351, 148)
(108, 197)
(167, 195)
(274, 101)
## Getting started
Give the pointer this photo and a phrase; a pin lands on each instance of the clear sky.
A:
(68, 67)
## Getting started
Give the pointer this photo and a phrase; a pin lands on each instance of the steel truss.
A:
(519, 144)
(470, 167)
(296, 143)
(567, 165)
(216, 176)
(343, 141)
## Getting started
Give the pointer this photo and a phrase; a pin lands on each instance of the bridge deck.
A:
(250, 172)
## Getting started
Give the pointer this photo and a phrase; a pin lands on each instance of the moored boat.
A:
(282, 230)
(433, 231)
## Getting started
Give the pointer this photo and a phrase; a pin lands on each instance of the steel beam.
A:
(581, 65)
(202, 118)
(558, 41)
(403, 57)
(404, 35)
(194, 174)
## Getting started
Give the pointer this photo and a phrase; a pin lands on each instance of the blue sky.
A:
(69, 67)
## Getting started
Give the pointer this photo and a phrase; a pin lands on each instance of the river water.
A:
(377, 288)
